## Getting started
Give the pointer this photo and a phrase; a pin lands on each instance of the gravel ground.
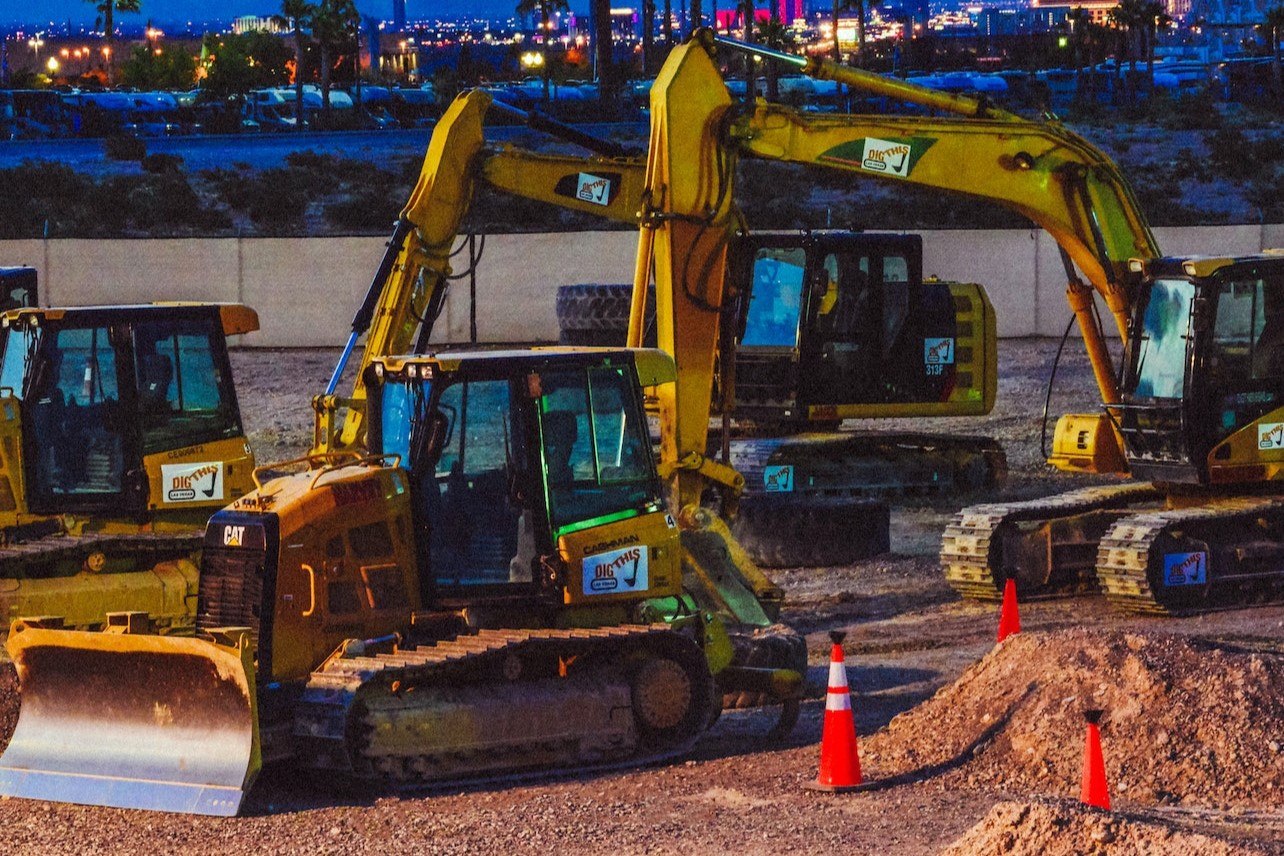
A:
(925, 675)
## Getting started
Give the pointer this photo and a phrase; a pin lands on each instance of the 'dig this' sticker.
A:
(616, 572)
(201, 482)
(1186, 569)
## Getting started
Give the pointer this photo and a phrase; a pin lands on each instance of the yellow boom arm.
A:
(409, 288)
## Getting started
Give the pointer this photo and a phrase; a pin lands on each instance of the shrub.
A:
(124, 148)
(162, 163)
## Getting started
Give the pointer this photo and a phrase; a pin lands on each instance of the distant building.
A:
(398, 16)
(251, 23)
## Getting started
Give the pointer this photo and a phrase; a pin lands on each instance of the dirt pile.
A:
(1186, 721)
(1063, 829)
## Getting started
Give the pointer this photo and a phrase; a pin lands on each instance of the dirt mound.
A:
(1057, 829)
(1186, 721)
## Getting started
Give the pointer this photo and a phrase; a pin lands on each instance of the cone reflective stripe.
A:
(1009, 615)
(1094, 790)
(839, 753)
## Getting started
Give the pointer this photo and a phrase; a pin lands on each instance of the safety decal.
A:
(1185, 569)
(1270, 435)
(616, 572)
(937, 354)
(594, 189)
(778, 478)
(201, 482)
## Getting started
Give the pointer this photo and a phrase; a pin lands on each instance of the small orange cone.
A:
(1094, 791)
(839, 754)
(1009, 616)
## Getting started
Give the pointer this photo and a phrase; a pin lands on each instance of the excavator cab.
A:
(838, 324)
(1203, 385)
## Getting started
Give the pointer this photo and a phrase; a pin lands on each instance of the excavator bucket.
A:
(133, 721)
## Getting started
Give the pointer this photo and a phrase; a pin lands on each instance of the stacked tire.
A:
(594, 314)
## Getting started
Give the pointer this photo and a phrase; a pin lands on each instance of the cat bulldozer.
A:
(495, 588)
(120, 433)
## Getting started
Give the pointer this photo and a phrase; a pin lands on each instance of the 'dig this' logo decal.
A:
(1186, 569)
(593, 188)
(1270, 435)
(201, 482)
(895, 157)
(616, 572)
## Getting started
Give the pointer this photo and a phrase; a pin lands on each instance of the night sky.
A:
(82, 11)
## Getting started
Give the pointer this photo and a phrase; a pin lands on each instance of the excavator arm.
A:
(1036, 168)
(410, 285)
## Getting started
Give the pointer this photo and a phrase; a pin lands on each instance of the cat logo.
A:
(233, 536)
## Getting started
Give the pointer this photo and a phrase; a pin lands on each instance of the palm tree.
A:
(1129, 18)
(107, 9)
(546, 8)
(1080, 23)
(861, 7)
(1272, 27)
(297, 14)
(1155, 20)
(603, 51)
(774, 35)
(336, 25)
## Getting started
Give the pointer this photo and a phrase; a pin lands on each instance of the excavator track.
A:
(1223, 554)
(23, 558)
(1049, 546)
(877, 464)
(507, 702)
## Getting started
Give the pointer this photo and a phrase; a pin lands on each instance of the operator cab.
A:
(831, 321)
(99, 389)
(1203, 382)
(515, 461)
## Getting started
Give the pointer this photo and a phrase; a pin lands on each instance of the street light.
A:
(36, 44)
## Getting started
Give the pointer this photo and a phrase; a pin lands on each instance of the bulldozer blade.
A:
(132, 721)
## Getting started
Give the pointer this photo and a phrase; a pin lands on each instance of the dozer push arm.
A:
(408, 289)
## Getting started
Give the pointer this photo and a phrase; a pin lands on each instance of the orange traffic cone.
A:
(839, 754)
(1094, 791)
(1009, 616)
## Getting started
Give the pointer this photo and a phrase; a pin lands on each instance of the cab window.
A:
(185, 395)
(595, 445)
(775, 302)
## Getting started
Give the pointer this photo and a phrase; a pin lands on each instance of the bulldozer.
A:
(496, 588)
(120, 434)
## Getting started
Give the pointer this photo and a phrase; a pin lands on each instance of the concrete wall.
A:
(306, 289)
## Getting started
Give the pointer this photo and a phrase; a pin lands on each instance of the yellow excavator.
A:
(119, 434)
(1195, 409)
